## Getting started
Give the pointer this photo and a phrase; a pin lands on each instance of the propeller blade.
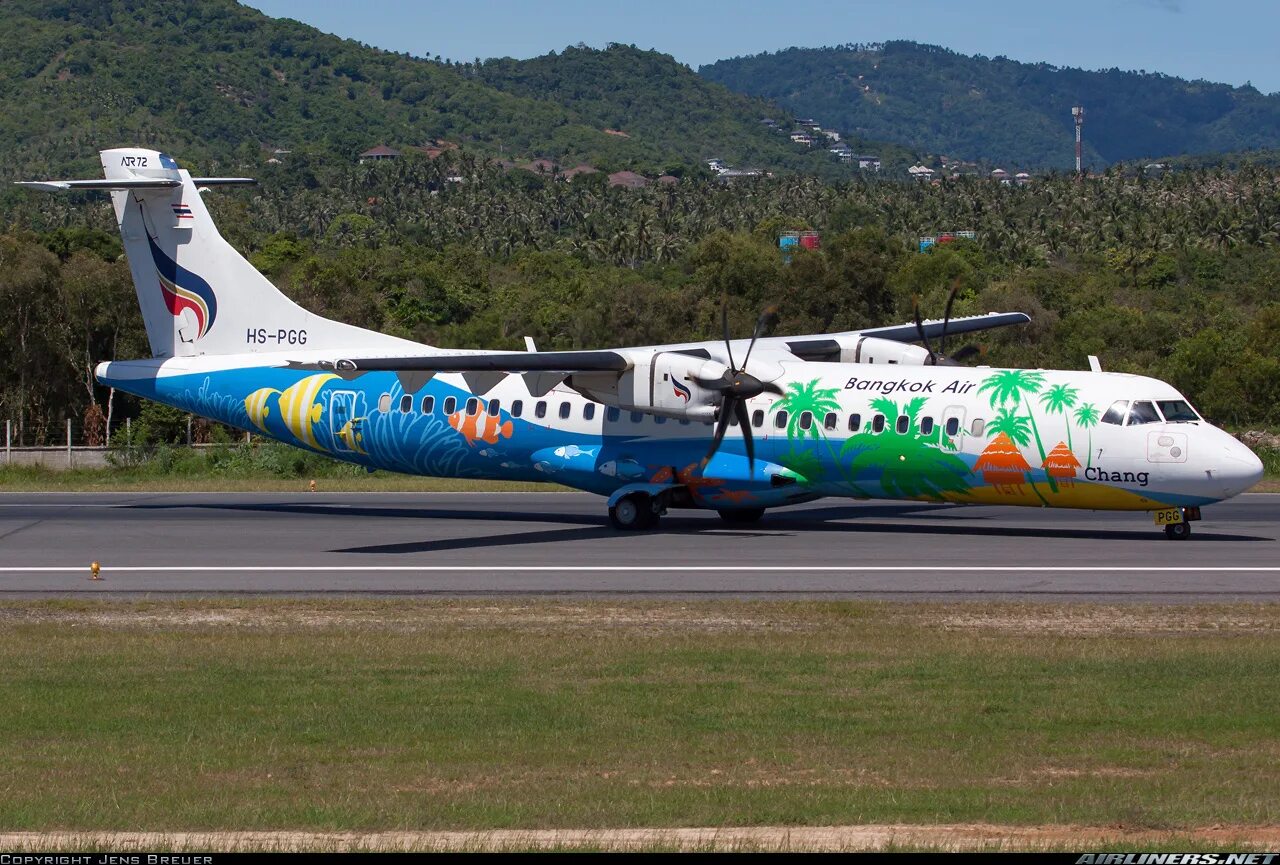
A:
(724, 323)
(766, 322)
(915, 310)
(744, 424)
(946, 315)
(721, 426)
(771, 388)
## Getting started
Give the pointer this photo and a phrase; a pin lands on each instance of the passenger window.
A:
(517, 408)
(494, 407)
(904, 424)
(830, 421)
(589, 411)
(449, 405)
(564, 411)
(926, 426)
(877, 423)
(612, 414)
(1115, 414)
(855, 422)
(780, 420)
(1177, 411)
(806, 420)
(428, 404)
(541, 408)
(384, 403)
(473, 406)
(953, 426)
(978, 427)
(1142, 412)
(637, 416)
(757, 418)
(406, 404)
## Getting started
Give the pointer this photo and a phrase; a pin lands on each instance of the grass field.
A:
(475, 715)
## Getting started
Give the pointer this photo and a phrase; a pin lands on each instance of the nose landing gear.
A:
(1177, 531)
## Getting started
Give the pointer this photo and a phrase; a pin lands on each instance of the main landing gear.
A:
(636, 512)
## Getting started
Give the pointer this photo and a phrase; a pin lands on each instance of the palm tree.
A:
(1013, 386)
(1056, 400)
(1016, 428)
(907, 464)
(1087, 418)
(807, 397)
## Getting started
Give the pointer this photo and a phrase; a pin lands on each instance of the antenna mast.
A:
(1077, 112)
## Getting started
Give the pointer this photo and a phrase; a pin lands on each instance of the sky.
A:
(1232, 41)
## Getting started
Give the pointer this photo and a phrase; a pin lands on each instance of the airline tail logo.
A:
(184, 290)
(681, 390)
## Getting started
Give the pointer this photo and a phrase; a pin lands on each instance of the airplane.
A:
(738, 426)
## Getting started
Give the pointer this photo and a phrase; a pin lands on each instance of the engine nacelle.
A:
(664, 383)
(852, 348)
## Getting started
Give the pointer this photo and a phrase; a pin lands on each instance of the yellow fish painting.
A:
(351, 435)
(299, 409)
(256, 405)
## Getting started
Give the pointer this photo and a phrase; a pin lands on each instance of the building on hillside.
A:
(378, 154)
(628, 180)
(1022, 178)
(717, 165)
(841, 151)
(866, 163)
(999, 175)
(920, 172)
(738, 173)
(802, 137)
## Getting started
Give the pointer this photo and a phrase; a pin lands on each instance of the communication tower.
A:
(1077, 112)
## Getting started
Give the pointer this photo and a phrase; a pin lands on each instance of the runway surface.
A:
(553, 543)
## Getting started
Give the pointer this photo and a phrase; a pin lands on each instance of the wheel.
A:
(742, 515)
(633, 512)
(1177, 531)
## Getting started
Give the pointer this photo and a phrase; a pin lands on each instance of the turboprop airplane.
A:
(737, 426)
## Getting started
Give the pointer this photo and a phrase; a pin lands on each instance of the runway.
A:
(559, 543)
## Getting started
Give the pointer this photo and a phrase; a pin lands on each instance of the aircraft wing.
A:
(503, 361)
(933, 329)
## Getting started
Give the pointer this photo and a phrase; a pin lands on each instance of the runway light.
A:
(94, 568)
(313, 486)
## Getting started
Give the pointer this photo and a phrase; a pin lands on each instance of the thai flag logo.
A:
(181, 211)
(681, 390)
(184, 290)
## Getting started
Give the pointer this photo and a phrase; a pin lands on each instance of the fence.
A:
(67, 454)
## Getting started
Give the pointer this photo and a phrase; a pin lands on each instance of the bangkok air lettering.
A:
(680, 390)
(184, 290)
(889, 387)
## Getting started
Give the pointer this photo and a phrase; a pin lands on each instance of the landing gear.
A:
(634, 512)
(1178, 531)
(742, 516)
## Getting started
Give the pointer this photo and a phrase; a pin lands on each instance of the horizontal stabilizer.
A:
(131, 183)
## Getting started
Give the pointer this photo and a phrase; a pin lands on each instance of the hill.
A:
(1001, 111)
(219, 83)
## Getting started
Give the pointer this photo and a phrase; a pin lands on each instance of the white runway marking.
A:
(632, 569)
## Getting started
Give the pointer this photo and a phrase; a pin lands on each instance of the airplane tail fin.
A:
(198, 294)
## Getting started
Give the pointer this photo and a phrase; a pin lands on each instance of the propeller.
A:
(939, 357)
(736, 385)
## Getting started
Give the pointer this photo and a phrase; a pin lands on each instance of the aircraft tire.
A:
(741, 516)
(1177, 531)
(633, 513)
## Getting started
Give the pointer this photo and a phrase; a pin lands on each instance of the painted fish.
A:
(352, 436)
(480, 427)
(300, 410)
(568, 452)
(624, 469)
(256, 405)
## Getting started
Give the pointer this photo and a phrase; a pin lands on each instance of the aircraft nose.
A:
(1241, 468)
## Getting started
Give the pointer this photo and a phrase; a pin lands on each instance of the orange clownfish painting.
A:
(480, 427)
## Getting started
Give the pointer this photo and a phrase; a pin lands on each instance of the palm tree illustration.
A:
(1087, 418)
(805, 397)
(1016, 429)
(1013, 386)
(1056, 400)
(909, 464)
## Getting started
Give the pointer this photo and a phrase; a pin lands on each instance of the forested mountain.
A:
(218, 83)
(1001, 111)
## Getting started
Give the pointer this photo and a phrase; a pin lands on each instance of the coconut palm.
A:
(907, 464)
(1017, 427)
(1087, 418)
(804, 397)
(1056, 400)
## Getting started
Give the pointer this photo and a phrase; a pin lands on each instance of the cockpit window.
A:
(1115, 414)
(1143, 411)
(1177, 411)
